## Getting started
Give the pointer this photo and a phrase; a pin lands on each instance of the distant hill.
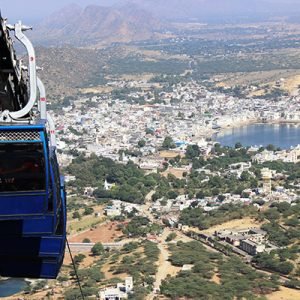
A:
(218, 10)
(133, 20)
(96, 25)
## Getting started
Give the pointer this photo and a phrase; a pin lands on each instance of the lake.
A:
(11, 286)
(280, 135)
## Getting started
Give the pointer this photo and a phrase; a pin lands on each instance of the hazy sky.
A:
(30, 10)
(33, 10)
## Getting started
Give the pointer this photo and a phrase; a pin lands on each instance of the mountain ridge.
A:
(135, 20)
(95, 24)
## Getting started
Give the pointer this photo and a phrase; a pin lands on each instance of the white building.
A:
(119, 292)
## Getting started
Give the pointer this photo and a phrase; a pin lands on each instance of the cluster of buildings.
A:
(189, 113)
(118, 207)
(290, 156)
(251, 241)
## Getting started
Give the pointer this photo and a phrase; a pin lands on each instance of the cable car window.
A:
(22, 167)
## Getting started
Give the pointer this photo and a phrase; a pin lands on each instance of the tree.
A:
(171, 236)
(79, 258)
(285, 267)
(172, 194)
(270, 147)
(141, 143)
(76, 215)
(200, 195)
(192, 151)
(221, 198)
(238, 145)
(95, 274)
(97, 249)
(245, 176)
(72, 294)
(86, 240)
(168, 143)
(88, 211)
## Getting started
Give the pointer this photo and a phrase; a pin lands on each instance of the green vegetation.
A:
(141, 265)
(168, 143)
(90, 279)
(140, 227)
(171, 237)
(237, 280)
(274, 262)
(97, 249)
(134, 65)
(131, 184)
(284, 226)
(196, 217)
(192, 151)
(79, 258)
(141, 143)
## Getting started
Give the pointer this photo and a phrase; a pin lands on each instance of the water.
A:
(283, 135)
(11, 286)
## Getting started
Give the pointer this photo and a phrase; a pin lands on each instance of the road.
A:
(86, 247)
(145, 208)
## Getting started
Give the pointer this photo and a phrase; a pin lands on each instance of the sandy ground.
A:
(216, 278)
(88, 260)
(109, 275)
(164, 266)
(168, 154)
(285, 294)
(234, 224)
(291, 84)
(144, 77)
(97, 90)
(106, 267)
(104, 233)
(176, 172)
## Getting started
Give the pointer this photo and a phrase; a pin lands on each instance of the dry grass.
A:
(143, 77)
(234, 224)
(85, 223)
(97, 90)
(292, 83)
(284, 294)
(109, 275)
(216, 278)
(169, 154)
(107, 266)
(176, 172)
(105, 233)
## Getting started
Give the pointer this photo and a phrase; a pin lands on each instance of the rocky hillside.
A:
(96, 25)
(66, 69)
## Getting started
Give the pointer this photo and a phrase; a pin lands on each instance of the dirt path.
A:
(165, 268)
(145, 208)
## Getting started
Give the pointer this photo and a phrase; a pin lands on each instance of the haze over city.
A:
(177, 126)
(34, 11)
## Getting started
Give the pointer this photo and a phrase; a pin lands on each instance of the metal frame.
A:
(33, 232)
(7, 116)
(45, 116)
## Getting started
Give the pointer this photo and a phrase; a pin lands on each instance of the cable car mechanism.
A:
(32, 193)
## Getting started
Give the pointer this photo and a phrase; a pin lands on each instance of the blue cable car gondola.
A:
(32, 193)
(32, 204)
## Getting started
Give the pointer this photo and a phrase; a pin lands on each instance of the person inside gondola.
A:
(21, 170)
